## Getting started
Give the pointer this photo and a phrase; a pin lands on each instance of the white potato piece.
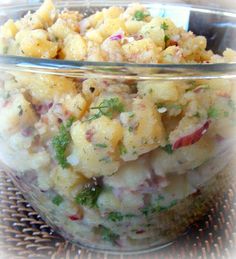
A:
(15, 114)
(182, 159)
(130, 175)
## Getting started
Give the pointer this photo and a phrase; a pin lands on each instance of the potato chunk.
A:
(47, 12)
(158, 91)
(75, 47)
(141, 51)
(45, 87)
(67, 181)
(36, 44)
(95, 146)
(15, 114)
(143, 130)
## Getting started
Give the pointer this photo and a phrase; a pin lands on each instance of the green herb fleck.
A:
(130, 129)
(168, 149)
(107, 108)
(101, 145)
(140, 15)
(122, 149)
(115, 216)
(57, 200)
(105, 159)
(197, 114)
(61, 142)
(164, 26)
(160, 105)
(166, 38)
(88, 195)
(150, 91)
(129, 215)
(131, 115)
(159, 208)
(145, 210)
(173, 203)
(213, 113)
(108, 235)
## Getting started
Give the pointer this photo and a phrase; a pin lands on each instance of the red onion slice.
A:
(193, 137)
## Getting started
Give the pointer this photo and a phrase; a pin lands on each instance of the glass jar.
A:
(121, 157)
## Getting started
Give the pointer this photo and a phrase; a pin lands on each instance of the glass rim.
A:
(82, 69)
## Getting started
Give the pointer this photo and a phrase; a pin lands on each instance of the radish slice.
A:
(193, 137)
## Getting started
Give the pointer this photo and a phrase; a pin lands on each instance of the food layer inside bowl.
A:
(110, 156)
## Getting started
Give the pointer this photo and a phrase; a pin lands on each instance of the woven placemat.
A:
(23, 234)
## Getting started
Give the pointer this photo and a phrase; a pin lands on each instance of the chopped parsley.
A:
(107, 108)
(122, 149)
(115, 216)
(164, 26)
(213, 113)
(108, 235)
(61, 142)
(88, 195)
(168, 149)
(197, 114)
(57, 200)
(131, 115)
(153, 208)
(140, 15)
(101, 145)
(105, 159)
(166, 38)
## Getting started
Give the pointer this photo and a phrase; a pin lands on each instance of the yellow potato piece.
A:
(9, 29)
(159, 91)
(45, 87)
(110, 26)
(153, 30)
(76, 105)
(66, 181)
(141, 51)
(47, 12)
(147, 133)
(75, 47)
(95, 146)
(35, 44)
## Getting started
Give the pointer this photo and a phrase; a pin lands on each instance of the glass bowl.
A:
(134, 180)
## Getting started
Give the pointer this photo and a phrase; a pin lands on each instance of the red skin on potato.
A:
(193, 137)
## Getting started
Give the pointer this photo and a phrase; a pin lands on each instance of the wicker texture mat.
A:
(24, 235)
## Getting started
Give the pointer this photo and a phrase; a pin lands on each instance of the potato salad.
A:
(114, 163)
